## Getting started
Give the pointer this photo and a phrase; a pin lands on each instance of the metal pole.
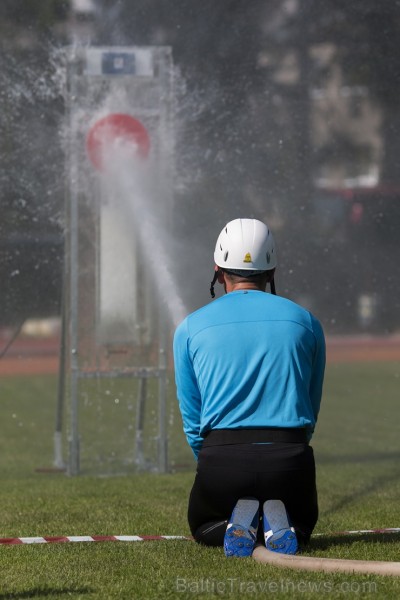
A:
(162, 399)
(140, 411)
(58, 453)
(74, 282)
(166, 135)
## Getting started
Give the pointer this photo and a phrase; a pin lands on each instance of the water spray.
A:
(122, 295)
(113, 130)
(118, 146)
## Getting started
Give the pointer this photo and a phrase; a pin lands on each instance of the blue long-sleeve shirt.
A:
(248, 360)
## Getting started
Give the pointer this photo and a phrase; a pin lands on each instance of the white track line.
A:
(151, 538)
(89, 538)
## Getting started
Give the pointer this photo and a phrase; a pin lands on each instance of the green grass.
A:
(357, 450)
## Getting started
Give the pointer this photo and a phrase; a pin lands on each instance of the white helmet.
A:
(245, 247)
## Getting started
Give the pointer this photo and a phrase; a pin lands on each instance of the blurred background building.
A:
(285, 110)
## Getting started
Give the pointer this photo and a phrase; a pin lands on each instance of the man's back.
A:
(256, 360)
(249, 370)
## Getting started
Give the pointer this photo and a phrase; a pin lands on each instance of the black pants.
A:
(283, 471)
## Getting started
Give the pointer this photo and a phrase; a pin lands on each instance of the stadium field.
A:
(357, 451)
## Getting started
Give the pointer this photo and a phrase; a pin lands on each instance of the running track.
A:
(30, 357)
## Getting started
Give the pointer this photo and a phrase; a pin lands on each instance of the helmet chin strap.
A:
(214, 281)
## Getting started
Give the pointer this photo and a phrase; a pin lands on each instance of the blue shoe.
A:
(278, 534)
(241, 533)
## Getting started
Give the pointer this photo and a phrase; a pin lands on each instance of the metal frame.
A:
(71, 371)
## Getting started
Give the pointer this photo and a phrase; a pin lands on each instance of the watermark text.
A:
(208, 585)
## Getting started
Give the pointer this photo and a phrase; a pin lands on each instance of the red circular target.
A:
(112, 130)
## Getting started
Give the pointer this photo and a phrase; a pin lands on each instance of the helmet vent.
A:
(226, 256)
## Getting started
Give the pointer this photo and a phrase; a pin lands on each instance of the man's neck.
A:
(242, 286)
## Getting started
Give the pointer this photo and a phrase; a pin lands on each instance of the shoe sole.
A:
(278, 534)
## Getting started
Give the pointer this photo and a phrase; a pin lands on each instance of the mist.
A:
(279, 114)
